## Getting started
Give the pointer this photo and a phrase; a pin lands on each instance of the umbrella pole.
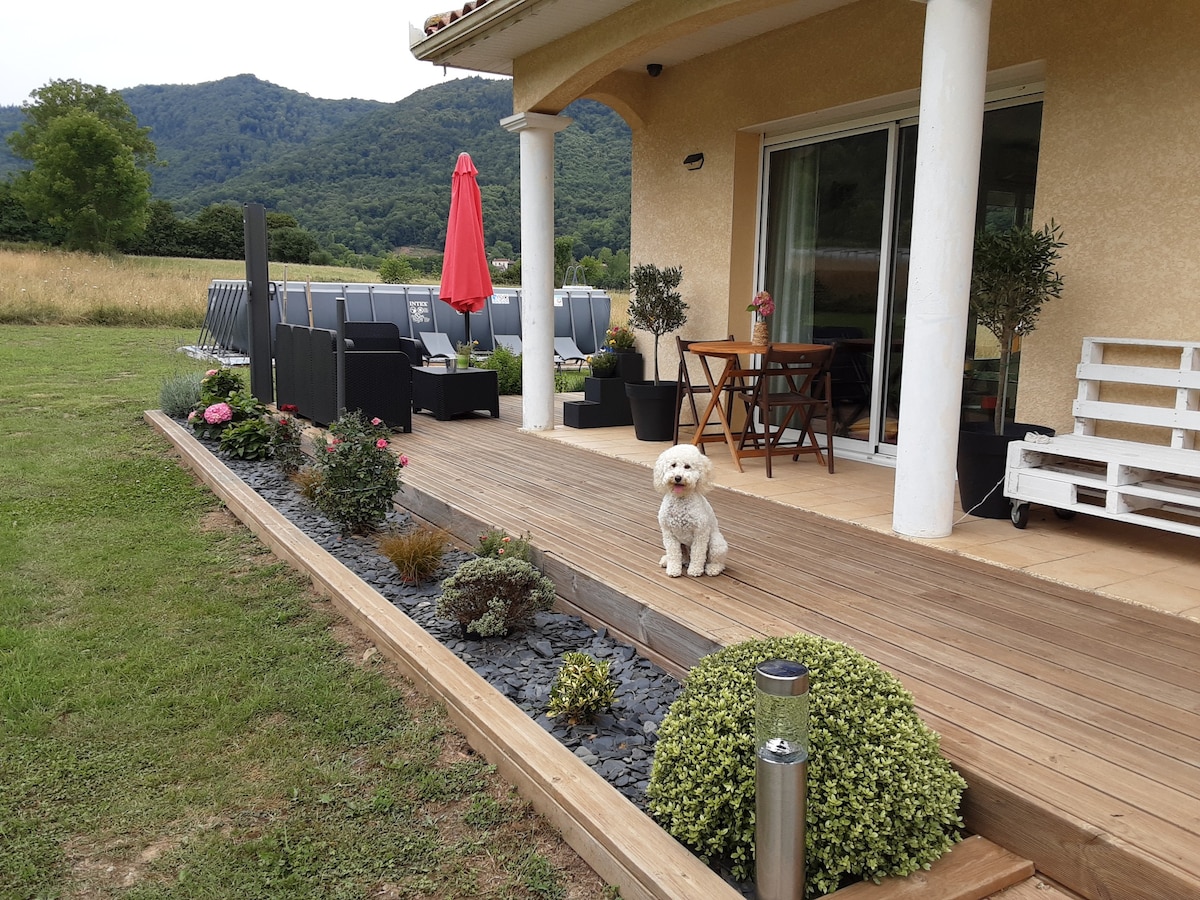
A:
(467, 321)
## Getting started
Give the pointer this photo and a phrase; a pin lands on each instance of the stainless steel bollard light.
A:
(781, 776)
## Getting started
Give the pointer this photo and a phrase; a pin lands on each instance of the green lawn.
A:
(177, 718)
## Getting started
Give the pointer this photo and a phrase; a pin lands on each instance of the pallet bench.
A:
(1149, 392)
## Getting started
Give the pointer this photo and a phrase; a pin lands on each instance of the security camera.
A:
(654, 70)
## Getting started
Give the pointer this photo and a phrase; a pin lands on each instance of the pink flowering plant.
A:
(762, 305)
(499, 544)
(358, 474)
(286, 446)
(221, 382)
(224, 403)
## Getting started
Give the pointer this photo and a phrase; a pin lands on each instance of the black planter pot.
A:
(981, 463)
(629, 366)
(653, 409)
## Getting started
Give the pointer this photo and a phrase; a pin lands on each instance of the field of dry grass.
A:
(54, 287)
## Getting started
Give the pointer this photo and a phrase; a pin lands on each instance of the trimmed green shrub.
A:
(491, 597)
(881, 798)
(581, 689)
(508, 369)
(248, 440)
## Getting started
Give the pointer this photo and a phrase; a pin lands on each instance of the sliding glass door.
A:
(837, 222)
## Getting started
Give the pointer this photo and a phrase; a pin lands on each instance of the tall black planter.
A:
(629, 365)
(653, 409)
(981, 464)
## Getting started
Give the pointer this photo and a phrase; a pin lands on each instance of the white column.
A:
(537, 132)
(953, 79)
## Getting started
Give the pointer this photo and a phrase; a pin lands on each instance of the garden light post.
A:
(780, 776)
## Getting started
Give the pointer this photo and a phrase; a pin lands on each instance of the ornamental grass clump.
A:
(881, 798)
(491, 597)
(582, 689)
(179, 394)
(417, 553)
(359, 474)
(499, 544)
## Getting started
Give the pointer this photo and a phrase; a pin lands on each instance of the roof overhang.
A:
(494, 34)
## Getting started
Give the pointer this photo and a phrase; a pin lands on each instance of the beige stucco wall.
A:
(1118, 169)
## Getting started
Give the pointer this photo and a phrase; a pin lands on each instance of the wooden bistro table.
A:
(730, 353)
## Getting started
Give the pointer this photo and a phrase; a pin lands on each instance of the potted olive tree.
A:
(1013, 276)
(657, 307)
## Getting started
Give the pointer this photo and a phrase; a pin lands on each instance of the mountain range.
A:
(372, 176)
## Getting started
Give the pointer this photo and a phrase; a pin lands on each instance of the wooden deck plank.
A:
(1077, 715)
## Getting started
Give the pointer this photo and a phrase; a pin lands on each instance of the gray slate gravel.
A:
(619, 745)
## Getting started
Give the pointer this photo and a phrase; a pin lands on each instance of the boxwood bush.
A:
(881, 798)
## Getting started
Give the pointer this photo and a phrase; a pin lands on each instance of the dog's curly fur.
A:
(683, 475)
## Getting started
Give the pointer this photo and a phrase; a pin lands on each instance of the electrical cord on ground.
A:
(1031, 437)
(980, 503)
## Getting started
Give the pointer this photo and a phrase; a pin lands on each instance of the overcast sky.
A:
(334, 51)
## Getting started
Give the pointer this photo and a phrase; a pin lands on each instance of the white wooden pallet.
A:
(1154, 484)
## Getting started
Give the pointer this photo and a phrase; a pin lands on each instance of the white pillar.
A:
(537, 132)
(953, 79)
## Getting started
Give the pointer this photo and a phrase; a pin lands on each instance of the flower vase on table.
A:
(762, 306)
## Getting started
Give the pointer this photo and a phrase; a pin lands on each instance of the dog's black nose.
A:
(678, 479)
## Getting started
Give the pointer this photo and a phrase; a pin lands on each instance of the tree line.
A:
(90, 168)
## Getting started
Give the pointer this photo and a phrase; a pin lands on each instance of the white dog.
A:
(683, 475)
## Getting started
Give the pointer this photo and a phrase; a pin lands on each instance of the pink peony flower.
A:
(403, 460)
(377, 421)
(381, 444)
(210, 373)
(218, 414)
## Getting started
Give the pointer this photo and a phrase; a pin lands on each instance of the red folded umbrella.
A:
(466, 276)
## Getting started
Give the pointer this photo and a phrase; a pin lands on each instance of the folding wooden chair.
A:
(690, 388)
(798, 383)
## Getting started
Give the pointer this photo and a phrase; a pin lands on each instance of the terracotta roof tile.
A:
(439, 21)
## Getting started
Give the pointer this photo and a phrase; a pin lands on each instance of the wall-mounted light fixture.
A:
(694, 161)
(654, 70)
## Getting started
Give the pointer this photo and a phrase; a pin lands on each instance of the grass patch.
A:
(179, 715)
(57, 287)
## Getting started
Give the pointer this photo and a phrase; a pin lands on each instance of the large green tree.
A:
(89, 160)
(61, 97)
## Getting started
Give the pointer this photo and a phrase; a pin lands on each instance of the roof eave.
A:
(450, 45)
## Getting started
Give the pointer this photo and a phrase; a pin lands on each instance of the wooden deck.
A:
(1074, 717)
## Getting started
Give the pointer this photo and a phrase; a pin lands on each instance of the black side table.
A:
(448, 394)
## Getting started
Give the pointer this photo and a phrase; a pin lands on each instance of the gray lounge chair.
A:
(510, 342)
(438, 345)
(566, 350)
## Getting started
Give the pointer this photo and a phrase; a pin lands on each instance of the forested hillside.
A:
(369, 175)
